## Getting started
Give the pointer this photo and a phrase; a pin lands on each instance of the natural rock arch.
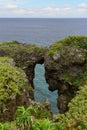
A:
(65, 62)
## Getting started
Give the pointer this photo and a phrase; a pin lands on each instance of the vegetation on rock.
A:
(13, 86)
(76, 81)
(74, 119)
(21, 53)
(15, 46)
(26, 56)
(73, 50)
(12, 80)
(69, 62)
(69, 52)
(80, 41)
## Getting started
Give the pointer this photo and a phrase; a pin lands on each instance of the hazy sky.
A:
(43, 8)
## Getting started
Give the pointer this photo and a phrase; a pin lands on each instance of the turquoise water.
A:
(41, 92)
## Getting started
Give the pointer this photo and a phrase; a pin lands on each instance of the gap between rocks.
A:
(41, 91)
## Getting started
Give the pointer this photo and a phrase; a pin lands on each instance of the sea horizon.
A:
(43, 18)
(40, 31)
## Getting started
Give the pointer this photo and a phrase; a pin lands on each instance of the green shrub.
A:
(76, 81)
(80, 41)
(5, 60)
(24, 119)
(9, 43)
(35, 117)
(76, 117)
(75, 41)
(44, 124)
(28, 118)
(12, 80)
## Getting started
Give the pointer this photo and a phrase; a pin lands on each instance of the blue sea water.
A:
(39, 30)
(42, 32)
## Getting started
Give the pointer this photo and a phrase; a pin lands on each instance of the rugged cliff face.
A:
(14, 89)
(65, 65)
(66, 68)
(25, 56)
(16, 57)
(65, 71)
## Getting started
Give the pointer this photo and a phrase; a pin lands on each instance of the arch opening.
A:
(41, 91)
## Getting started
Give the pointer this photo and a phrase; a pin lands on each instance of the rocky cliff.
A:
(66, 68)
(15, 59)
(25, 56)
(14, 88)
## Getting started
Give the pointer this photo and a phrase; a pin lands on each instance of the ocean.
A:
(43, 32)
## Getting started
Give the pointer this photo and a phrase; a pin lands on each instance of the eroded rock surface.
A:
(25, 56)
(66, 68)
(65, 65)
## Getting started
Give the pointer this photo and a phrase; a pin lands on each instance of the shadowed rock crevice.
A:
(30, 69)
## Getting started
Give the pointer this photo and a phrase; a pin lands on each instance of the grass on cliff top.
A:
(15, 46)
(20, 52)
(80, 41)
(9, 43)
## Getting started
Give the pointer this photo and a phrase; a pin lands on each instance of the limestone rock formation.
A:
(25, 56)
(66, 68)
(65, 65)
